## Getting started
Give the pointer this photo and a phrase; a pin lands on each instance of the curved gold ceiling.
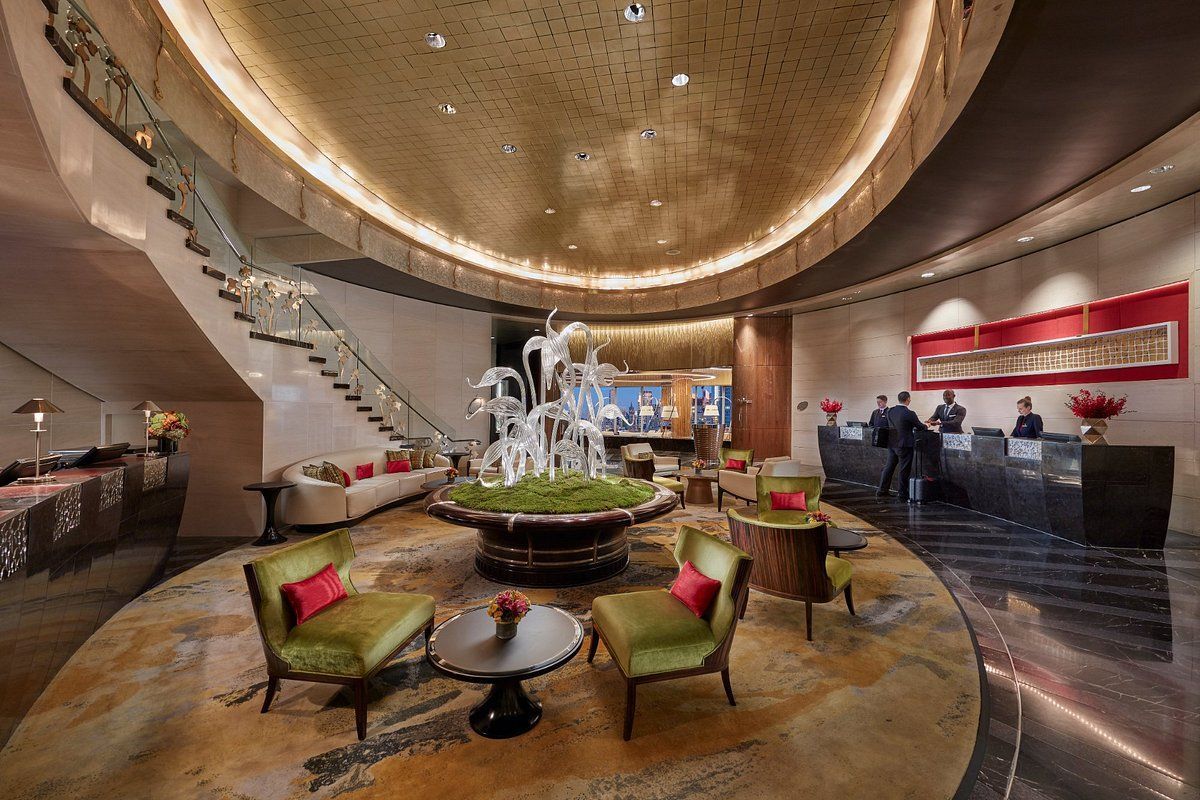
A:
(787, 105)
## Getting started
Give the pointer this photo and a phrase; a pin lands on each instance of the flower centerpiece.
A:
(508, 608)
(169, 427)
(818, 516)
(1094, 411)
(451, 474)
(698, 464)
(831, 409)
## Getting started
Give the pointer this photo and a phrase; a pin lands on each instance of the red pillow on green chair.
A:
(695, 589)
(789, 501)
(314, 593)
(399, 466)
(363, 471)
(735, 463)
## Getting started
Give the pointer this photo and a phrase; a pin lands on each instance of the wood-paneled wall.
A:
(762, 380)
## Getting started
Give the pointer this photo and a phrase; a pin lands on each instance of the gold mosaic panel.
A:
(779, 91)
(1134, 347)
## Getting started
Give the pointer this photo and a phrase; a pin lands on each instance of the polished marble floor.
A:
(1091, 655)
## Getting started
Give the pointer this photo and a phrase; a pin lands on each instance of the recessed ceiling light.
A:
(749, 315)
(583, 156)
(508, 148)
(572, 247)
(681, 79)
(649, 133)
(1140, 189)
(635, 12)
(656, 203)
(549, 210)
(674, 251)
(926, 274)
(435, 40)
(662, 241)
(446, 108)
(1024, 239)
(1162, 169)
(847, 298)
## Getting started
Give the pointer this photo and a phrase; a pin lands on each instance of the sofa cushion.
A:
(650, 632)
(399, 466)
(314, 593)
(326, 471)
(399, 455)
(360, 499)
(353, 636)
(362, 471)
(788, 501)
(694, 589)
(411, 484)
(670, 483)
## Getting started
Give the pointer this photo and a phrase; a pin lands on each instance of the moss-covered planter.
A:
(550, 550)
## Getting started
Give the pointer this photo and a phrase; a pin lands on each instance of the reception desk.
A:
(1104, 496)
(72, 553)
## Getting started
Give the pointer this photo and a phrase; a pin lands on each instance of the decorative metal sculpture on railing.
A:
(556, 433)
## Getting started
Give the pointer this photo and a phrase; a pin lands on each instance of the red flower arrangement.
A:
(831, 406)
(819, 516)
(1086, 405)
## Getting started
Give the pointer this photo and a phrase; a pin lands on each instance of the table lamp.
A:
(147, 407)
(39, 408)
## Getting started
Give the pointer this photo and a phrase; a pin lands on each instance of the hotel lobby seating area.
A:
(600, 400)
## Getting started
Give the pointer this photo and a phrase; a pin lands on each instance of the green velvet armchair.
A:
(809, 484)
(346, 643)
(793, 557)
(651, 636)
(642, 468)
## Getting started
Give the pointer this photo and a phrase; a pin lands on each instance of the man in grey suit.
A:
(901, 421)
(949, 416)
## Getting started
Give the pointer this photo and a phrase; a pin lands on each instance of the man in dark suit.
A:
(879, 415)
(949, 416)
(902, 421)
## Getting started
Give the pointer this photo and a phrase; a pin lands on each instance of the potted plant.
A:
(1094, 412)
(508, 608)
(831, 409)
(169, 427)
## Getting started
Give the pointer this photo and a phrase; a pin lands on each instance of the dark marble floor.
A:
(1091, 655)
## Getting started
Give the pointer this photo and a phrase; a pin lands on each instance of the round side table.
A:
(465, 647)
(844, 541)
(270, 492)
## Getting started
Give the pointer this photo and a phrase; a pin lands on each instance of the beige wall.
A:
(857, 351)
(79, 424)
(432, 349)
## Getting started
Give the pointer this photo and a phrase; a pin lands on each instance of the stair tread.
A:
(354, 397)
(328, 373)
(318, 360)
(341, 385)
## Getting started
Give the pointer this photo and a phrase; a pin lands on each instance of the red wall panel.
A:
(1161, 304)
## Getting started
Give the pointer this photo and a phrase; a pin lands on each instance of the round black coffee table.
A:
(270, 491)
(843, 541)
(465, 647)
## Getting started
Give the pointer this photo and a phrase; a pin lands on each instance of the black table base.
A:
(507, 711)
(270, 493)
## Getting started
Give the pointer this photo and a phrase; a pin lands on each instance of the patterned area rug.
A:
(163, 702)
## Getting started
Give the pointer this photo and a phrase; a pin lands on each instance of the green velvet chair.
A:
(346, 643)
(793, 557)
(642, 468)
(737, 455)
(652, 637)
(809, 484)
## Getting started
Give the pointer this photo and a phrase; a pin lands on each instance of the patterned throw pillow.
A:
(398, 455)
(428, 462)
(325, 471)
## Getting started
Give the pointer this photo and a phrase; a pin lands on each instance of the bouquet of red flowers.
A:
(831, 406)
(508, 606)
(1086, 405)
(819, 516)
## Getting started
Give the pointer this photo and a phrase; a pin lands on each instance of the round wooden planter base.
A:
(550, 550)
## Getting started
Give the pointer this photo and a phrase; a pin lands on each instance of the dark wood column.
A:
(762, 385)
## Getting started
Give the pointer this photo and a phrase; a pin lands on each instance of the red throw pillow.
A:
(364, 471)
(735, 463)
(312, 594)
(789, 501)
(695, 589)
(399, 466)
(345, 477)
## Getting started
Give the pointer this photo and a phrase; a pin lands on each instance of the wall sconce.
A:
(147, 407)
(39, 408)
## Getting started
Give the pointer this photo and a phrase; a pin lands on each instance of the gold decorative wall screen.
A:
(1142, 346)
(679, 345)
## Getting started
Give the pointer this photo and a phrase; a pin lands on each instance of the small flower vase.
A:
(1093, 431)
(831, 419)
(506, 630)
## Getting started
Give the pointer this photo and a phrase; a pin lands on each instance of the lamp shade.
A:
(38, 405)
(147, 405)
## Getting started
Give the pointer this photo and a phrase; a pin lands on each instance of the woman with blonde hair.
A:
(1029, 424)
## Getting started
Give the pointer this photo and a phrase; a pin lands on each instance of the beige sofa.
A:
(743, 485)
(314, 502)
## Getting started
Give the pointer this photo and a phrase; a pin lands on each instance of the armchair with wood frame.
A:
(642, 468)
(641, 449)
(346, 643)
(652, 636)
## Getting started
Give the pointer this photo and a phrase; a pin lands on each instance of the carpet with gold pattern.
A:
(163, 701)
